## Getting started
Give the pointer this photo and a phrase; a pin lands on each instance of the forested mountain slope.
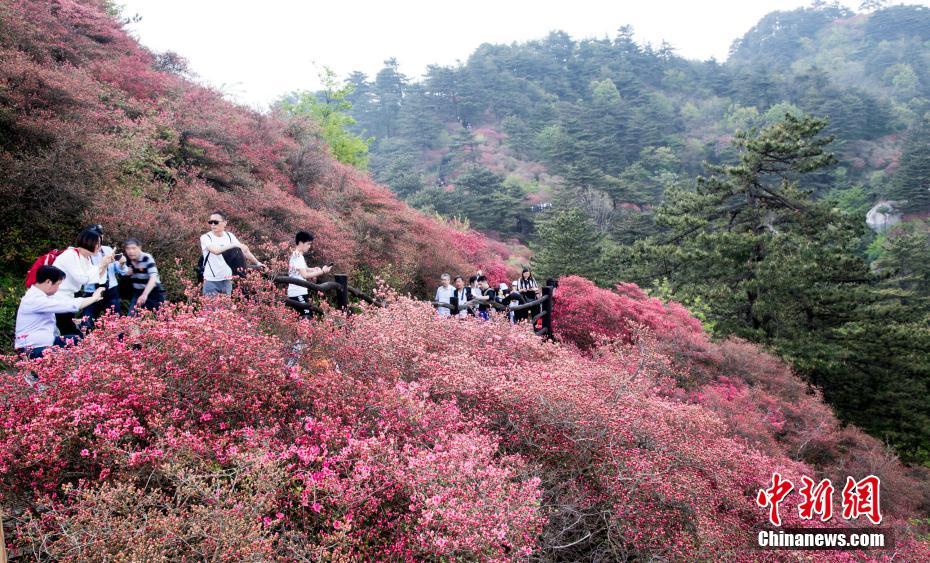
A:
(235, 430)
(706, 182)
(612, 116)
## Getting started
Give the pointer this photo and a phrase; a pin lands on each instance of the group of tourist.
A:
(89, 278)
(85, 278)
(476, 298)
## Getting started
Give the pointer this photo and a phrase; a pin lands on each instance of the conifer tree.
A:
(567, 243)
(776, 266)
(911, 183)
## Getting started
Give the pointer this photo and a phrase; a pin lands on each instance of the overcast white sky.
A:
(257, 51)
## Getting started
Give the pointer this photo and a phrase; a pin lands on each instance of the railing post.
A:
(342, 300)
(547, 307)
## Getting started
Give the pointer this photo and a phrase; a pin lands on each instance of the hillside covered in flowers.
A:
(96, 129)
(392, 434)
(233, 431)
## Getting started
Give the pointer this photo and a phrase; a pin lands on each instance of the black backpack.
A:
(227, 256)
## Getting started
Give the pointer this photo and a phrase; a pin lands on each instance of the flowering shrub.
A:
(235, 430)
(94, 128)
(191, 414)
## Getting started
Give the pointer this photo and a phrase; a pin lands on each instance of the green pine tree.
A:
(778, 267)
(567, 242)
(911, 183)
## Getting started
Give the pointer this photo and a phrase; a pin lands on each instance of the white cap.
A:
(516, 283)
(503, 286)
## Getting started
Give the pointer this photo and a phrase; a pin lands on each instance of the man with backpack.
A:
(35, 318)
(217, 273)
(462, 295)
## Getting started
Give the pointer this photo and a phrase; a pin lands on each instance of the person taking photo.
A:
(36, 316)
(79, 271)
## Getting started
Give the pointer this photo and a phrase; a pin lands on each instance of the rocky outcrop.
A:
(883, 216)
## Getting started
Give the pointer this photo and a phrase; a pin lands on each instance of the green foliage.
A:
(662, 289)
(776, 266)
(567, 243)
(330, 109)
(483, 198)
(911, 182)
(11, 291)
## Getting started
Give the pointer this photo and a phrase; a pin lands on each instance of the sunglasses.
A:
(213, 222)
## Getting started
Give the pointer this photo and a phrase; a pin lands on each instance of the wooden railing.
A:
(545, 304)
(342, 291)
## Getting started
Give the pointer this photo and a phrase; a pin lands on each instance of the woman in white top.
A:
(79, 271)
(109, 281)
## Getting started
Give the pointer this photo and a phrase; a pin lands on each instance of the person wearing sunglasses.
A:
(217, 275)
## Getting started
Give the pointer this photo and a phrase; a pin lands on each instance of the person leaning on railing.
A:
(444, 294)
(462, 295)
(487, 295)
(530, 290)
(297, 268)
(511, 299)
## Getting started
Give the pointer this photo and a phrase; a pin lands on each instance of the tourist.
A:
(462, 296)
(109, 281)
(147, 292)
(530, 291)
(79, 271)
(297, 268)
(217, 274)
(444, 294)
(512, 299)
(39, 308)
(487, 296)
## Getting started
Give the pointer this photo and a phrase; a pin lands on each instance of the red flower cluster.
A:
(389, 434)
(120, 137)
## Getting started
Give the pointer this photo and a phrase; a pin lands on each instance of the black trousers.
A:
(66, 326)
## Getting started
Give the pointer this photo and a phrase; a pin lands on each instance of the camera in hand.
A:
(118, 256)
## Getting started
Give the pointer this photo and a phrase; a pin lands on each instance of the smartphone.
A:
(330, 264)
(118, 256)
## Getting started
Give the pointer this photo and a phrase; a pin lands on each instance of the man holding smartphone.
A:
(297, 268)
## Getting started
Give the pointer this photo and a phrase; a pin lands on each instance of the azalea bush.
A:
(94, 128)
(232, 430)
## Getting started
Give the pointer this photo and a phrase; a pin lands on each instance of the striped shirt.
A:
(141, 270)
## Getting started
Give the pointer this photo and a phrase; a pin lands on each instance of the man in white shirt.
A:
(217, 275)
(35, 318)
(297, 268)
(444, 294)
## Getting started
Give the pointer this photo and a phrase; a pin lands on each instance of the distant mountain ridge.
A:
(586, 110)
